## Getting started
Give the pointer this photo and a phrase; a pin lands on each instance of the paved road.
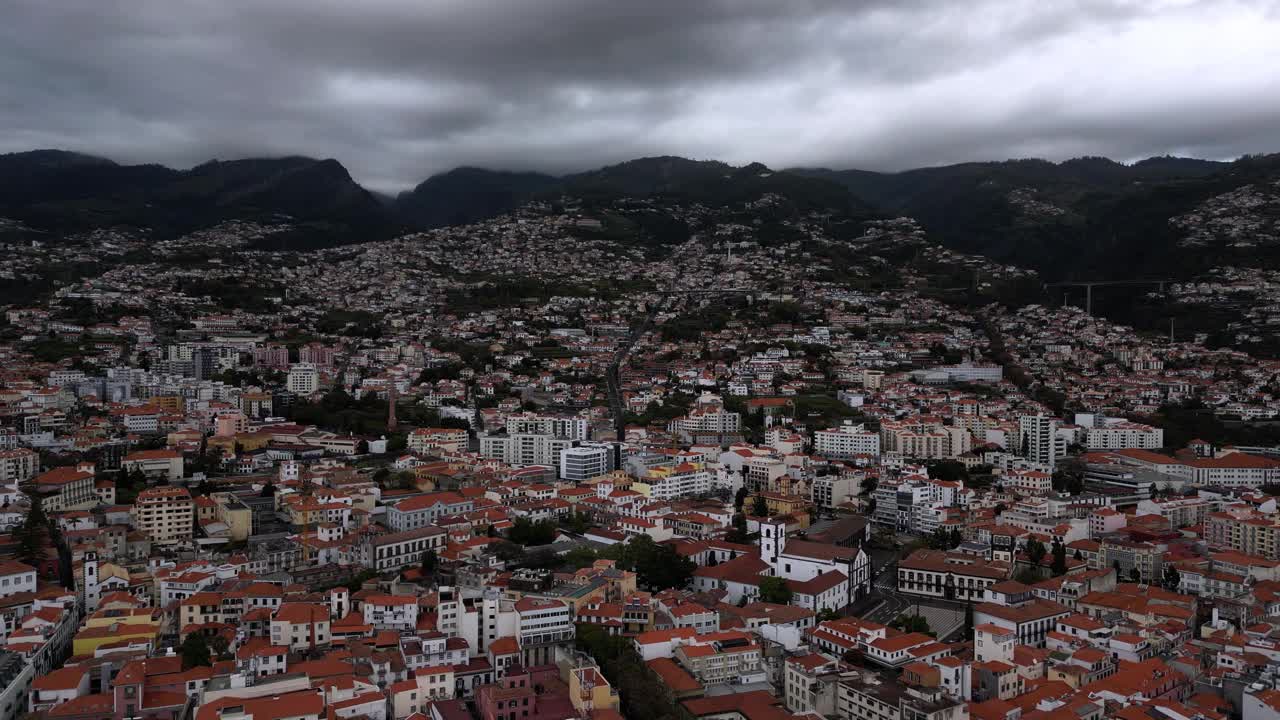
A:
(945, 618)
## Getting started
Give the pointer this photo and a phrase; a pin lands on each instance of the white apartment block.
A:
(304, 379)
(426, 441)
(571, 428)
(18, 466)
(846, 441)
(1038, 439)
(523, 449)
(1117, 436)
(583, 463)
(164, 514)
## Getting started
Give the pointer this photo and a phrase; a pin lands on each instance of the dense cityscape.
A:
(782, 465)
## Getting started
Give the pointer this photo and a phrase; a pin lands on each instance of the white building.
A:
(1116, 435)
(1038, 439)
(304, 379)
(583, 463)
(521, 449)
(846, 441)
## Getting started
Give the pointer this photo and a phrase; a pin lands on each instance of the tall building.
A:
(204, 363)
(520, 449)
(164, 514)
(304, 379)
(583, 463)
(1038, 439)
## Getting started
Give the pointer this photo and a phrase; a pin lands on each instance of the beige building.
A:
(159, 464)
(237, 516)
(18, 465)
(164, 514)
(67, 488)
(589, 691)
(427, 441)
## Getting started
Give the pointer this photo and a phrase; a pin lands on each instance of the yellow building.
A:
(780, 504)
(589, 691)
(237, 515)
(168, 403)
(90, 638)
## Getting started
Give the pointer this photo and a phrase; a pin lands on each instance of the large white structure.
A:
(1038, 439)
(520, 449)
(583, 463)
(708, 417)
(846, 441)
(572, 428)
(304, 379)
(803, 563)
(1120, 435)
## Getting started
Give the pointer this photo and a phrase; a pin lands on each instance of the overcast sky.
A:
(400, 89)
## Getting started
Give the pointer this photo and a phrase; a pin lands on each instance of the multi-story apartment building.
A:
(1244, 530)
(583, 463)
(1028, 482)
(729, 657)
(523, 449)
(828, 491)
(1115, 436)
(1127, 556)
(542, 625)
(423, 510)
(950, 576)
(924, 439)
(1038, 439)
(429, 441)
(848, 440)
(164, 514)
(397, 550)
(301, 626)
(567, 427)
(1180, 512)
(304, 379)
(390, 612)
(670, 483)
(67, 488)
(706, 419)
(165, 465)
(18, 466)
(868, 696)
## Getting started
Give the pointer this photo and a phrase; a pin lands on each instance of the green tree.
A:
(218, 647)
(740, 498)
(956, 538)
(826, 614)
(33, 536)
(578, 522)
(1134, 575)
(1172, 578)
(1035, 551)
(912, 624)
(195, 652)
(760, 508)
(1068, 476)
(525, 532)
(738, 531)
(775, 590)
(1059, 559)
(657, 567)
(580, 557)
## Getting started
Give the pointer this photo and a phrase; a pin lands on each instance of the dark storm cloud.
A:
(398, 89)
